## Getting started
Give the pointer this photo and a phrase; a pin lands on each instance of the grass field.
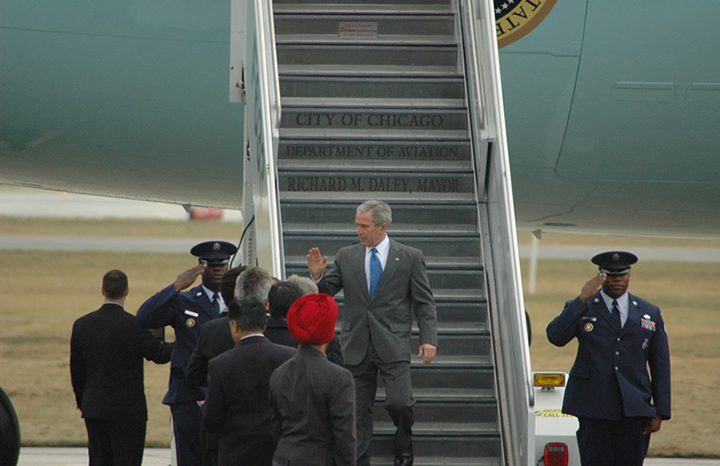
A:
(43, 293)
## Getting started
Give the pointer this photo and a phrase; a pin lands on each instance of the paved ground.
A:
(161, 457)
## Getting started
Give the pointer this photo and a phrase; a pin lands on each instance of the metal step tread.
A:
(358, 70)
(378, 102)
(332, 133)
(361, 8)
(404, 230)
(438, 461)
(452, 395)
(368, 168)
(441, 429)
(385, 40)
(300, 165)
(464, 361)
(383, 77)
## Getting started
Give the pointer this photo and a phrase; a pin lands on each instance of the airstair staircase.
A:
(389, 99)
(374, 106)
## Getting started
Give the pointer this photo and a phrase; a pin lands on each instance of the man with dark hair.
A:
(237, 402)
(187, 312)
(214, 337)
(107, 348)
(282, 295)
(213, 340)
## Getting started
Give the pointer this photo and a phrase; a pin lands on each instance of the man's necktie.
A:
(616, 314)
(375, 271)
(216, 304)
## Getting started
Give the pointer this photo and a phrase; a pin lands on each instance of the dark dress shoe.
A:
(403, 460)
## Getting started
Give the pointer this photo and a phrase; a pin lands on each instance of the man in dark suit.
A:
(312, 399)
(385, 283)
(619, 335)
(186, 312)
(107, 348)
(282, 295)
(214, 339)
(237, 403)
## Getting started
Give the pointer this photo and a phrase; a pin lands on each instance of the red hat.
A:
(311, 319)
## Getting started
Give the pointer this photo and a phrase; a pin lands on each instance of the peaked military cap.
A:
(214, 252)
(615, 262)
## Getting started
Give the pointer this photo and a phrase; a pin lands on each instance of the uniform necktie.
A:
(616, 314)
(216, 304)
(375, 271)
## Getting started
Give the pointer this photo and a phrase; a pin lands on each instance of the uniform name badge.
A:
(647, 324)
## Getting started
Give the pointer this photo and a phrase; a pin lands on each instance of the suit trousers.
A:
(399, 402)
(115, 443)
(612, 443)
(186, 428)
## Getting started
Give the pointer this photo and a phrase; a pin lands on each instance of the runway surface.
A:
(161, 457)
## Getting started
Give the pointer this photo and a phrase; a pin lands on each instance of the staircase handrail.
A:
(260, 193)
(497, 214)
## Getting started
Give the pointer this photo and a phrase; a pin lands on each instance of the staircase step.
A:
(335, 211)
(468, 412)
(366, 69)
(449, 87)
(372, 119)
(319, 4)
(442, 439)
(430, 246)
(439, 461)
(361, 7)
(381, 182)
(374, 152)
(314, 53)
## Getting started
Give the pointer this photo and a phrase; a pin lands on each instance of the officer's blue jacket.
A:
(610, 374)
(185, 312)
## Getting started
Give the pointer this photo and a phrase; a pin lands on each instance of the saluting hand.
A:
(188, 277)
(591, 287)
(316, 263)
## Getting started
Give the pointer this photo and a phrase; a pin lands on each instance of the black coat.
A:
(237, 401)
(107, 348)
(213, 340)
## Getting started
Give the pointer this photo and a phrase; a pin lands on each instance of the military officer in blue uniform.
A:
(618, 404)
(186, 312)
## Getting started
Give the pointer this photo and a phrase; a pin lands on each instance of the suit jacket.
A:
(185, 312)
(214, 339)
(403, 289)
(313, 406)
(107, 348)
(277, 331)
(237, 402)
(610, 376)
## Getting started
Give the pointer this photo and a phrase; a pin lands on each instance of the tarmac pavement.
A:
(161, 457)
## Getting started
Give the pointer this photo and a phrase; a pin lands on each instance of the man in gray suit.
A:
(384, 283)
